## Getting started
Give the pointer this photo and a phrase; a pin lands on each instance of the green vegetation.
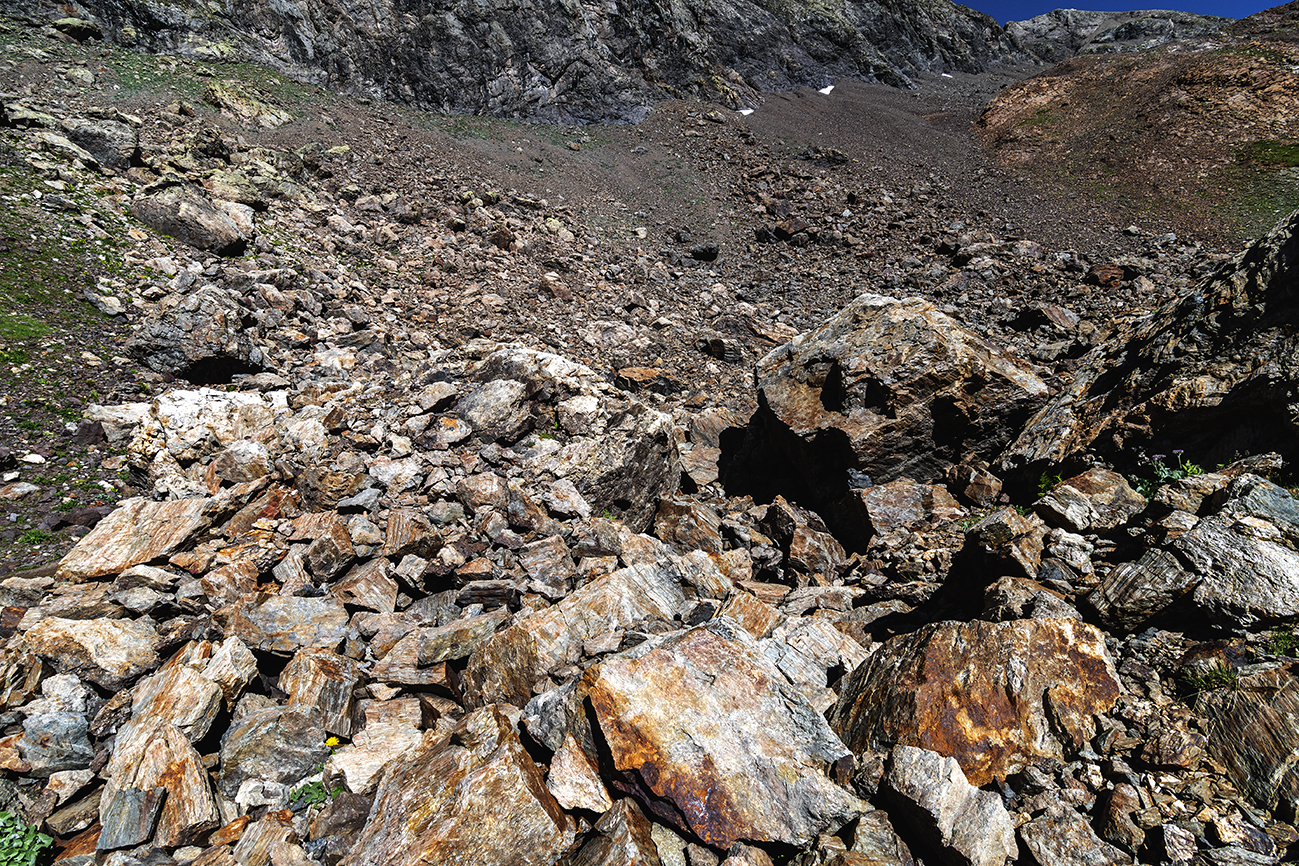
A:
(1220, 676)
(1284, 641)
(1258, 52)
(1155, 472)
(1047, 483)
(36, 536)
(1270, 153)
(1043, 117)
(20, 844)
(313, 793)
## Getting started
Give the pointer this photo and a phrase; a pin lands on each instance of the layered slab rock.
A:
(890, 388)
(137, 531)
(288, 623)
(1254, 732)
(475, 797)
(994, 696)
(191, 217)
(506, 667)
(710, 737)
(1237, 566)
(960, 824)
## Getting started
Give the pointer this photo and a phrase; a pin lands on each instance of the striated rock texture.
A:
(565, 61)
(981, 693)
(1212, 372)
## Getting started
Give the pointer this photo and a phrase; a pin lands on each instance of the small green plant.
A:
(20, 844)
(1284, 641)
(1220, 676)
(36, 536)
(313, 793)
(1047, 483)
(1156, 472)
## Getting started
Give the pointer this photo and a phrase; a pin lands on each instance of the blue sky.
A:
(1018, 10)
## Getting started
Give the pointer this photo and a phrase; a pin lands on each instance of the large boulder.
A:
(1211, 373)
(885, 389)
(190, 216)
(202, 338)
(994, 696)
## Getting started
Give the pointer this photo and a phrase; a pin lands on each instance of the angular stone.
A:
(137, 531)
(191, 217)
(688, 525)
(1253, 730)
(460, 638)
(994, 696)
(485, 488)
(1096, 501)
(475, 797)
(113, 144)
(706, 724)
(391, 729)
(508, 665)
(369, 586)
(153, 756)
(876, 843)
(1066, 839)
(409, 532)
(575, 782)
(288, 623)
(55, 741)
(331, 551)
(890, 388)
(622, 837)
(232, 667)
(902, 504)
(548, 562)
(273, 744)
(108, 653)
(955, 821)
(324, 680)
(180, 693)
(260, 839)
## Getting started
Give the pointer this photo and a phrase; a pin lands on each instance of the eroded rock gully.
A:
(462, 531)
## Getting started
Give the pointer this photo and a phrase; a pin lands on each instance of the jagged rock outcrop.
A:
(1062, 33)
(1210, 373)
(567, 61)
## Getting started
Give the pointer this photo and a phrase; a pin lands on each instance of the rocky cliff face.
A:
(1061, 34)
(562, 59)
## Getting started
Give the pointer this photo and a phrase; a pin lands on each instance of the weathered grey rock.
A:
(273, 744)
(1066, 839)
(113, 144)
(191, 217)
(888, 388)
(1254, 732)
(622, 838)
(994, 696)
(475, 797)
(107, 652)
(1237, 565)
(575, 782)
(324, 680)
(56, 731)
(1059, 35)
(181, 693)
(957, 822)
(1095, 501)
(876, 843)
(705, 723)
(626, 58)
(391, 729)
(288, 623)
(201, 338)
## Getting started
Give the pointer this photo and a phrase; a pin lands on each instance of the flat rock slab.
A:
(474, 798)
(704, 726)
(137, 531)
(991, 695)
(288, 623)
(107, 652)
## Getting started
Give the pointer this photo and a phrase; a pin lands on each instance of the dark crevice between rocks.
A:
(216, 370)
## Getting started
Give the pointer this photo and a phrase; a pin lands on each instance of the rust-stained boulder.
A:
(711, 738)
(288, 623)
(137, 531)
(107, 652)
(890, 388)
(1161, 382)
(994, 696)
(474, 797)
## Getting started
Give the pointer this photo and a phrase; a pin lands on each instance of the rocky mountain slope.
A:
(1203, 128)
(1063, 33)
(566, 61)
(784, 488)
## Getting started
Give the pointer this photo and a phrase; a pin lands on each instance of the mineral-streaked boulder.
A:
(474, 797)
(135, 532)
(288, 623)
(960, 824)
(1254, 732)
(623, 837)
(888, 388)
(994, 696)
(705, 731)
(1067, 838)
(274, 744)
(1097, 500)
(107, 652)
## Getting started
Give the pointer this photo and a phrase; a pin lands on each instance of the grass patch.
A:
(1270, 153)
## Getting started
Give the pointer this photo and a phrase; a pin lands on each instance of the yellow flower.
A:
(331, 742)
